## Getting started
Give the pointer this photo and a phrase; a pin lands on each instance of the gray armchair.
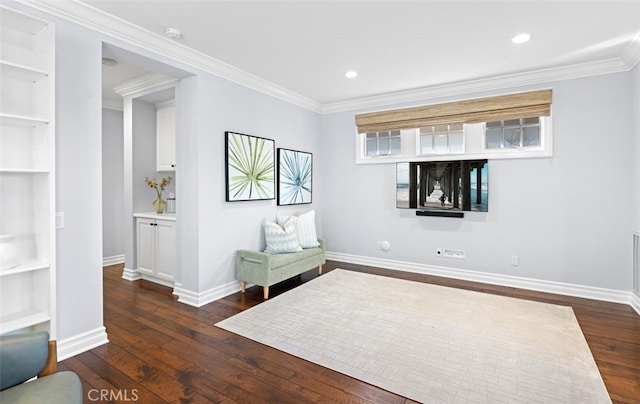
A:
(24, 356)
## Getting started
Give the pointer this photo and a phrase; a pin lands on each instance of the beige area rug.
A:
(430, 343)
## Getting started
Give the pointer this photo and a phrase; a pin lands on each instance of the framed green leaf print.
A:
(250, 167)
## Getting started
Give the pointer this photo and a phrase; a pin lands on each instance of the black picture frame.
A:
(295, 177)
(249, 167)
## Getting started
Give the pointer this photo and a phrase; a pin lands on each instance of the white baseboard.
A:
(80, 343)
(635, 302)
(568, 289)
(131, 274)
(199, 299)
(116, 259)
(159, 281)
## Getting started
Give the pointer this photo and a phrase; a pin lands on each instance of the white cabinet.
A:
(166, 136)
(156, 249)
(27, 189)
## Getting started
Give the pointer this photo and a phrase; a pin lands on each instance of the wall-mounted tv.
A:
(459, 185)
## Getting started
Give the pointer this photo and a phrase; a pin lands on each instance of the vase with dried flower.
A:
(159, 204)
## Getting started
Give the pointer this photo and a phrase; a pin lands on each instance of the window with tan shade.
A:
(506, 126)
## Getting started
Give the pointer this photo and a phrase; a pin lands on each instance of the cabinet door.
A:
(166, 250)
(166, 139)
(146, 247)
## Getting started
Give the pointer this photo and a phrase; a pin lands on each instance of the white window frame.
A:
(474, 146)
(435, 153)
(407, 149)
(390, 136)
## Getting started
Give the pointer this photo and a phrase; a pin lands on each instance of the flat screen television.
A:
(457, 185)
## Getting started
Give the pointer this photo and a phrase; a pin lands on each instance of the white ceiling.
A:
(307, 46)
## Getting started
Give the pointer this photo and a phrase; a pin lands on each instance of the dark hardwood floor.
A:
(164, 351)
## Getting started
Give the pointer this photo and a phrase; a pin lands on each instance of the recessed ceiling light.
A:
(109, 62)
(351, 74)
(173, 33)
(521, 38)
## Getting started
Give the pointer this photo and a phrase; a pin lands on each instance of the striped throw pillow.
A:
(305, 227)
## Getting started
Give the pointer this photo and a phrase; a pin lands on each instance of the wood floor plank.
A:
(171, 352)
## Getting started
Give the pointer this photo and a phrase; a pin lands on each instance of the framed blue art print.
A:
(295, 169)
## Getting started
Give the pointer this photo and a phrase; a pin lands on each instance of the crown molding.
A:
(631, 54)
(606, 66)
(112, 104)
(144, 84)
(165, 104)
(97, 20)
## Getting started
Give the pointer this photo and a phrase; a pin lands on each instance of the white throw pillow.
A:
(281, 239)
(305, 226)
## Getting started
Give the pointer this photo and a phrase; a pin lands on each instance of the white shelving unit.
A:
(27, 172)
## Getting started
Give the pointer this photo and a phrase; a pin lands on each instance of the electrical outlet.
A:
(459, 254)
(384, 245)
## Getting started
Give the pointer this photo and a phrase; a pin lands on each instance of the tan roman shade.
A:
(522, 105)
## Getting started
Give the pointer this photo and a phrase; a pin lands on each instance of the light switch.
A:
(59, 220)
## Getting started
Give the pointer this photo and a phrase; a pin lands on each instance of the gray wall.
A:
(78, 180)
(635, 184)
(220, 228)
(566, 217)
(636, 148)
(144, 157)
(112, 183)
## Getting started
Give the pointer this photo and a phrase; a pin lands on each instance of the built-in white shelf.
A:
(23, 319)
(20, 72)
(27, 171)
(26, 266)
(24, 171)
(21, 22)
(21, 120)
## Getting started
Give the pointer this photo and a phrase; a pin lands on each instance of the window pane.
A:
(456, 142)
(394, 133)
(495, 124)
(383, 145)
(441, 128)
(528, 121)
(372, 146)
(511, 138)
(512, 122)
(493, 138)
(395, 145)
(440, 144)
(426, 144)
(372, 135)
(531, 136)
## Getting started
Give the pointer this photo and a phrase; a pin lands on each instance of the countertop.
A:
(158, 216)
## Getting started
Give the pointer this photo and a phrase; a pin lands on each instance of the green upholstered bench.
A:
(265, 269)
